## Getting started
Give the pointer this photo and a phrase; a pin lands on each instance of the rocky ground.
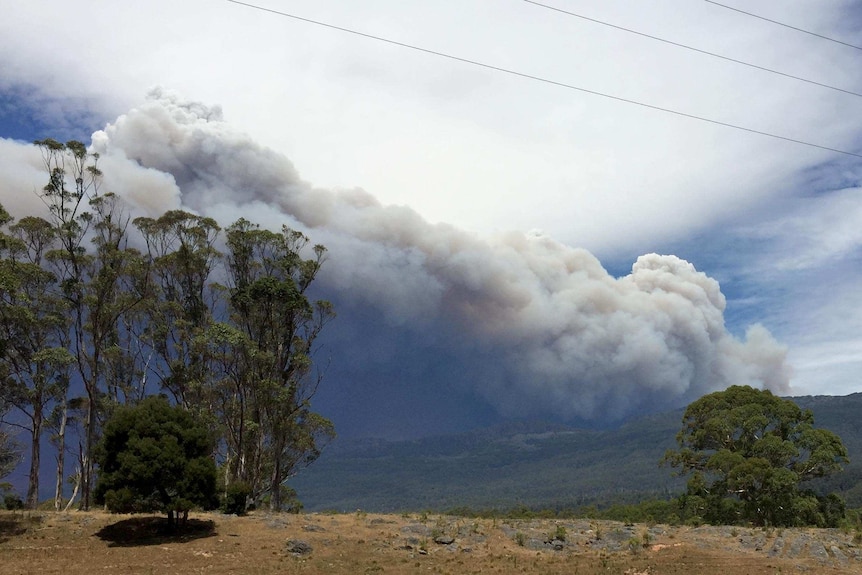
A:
(87, 543)
(829, 547)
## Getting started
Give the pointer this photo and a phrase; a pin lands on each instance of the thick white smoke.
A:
(552, 331)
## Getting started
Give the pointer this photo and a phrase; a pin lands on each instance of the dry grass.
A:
(90, 543)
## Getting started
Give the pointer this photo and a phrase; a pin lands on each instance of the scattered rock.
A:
(621, 535)
(444, 540)
(838, 554)
(818, 551)
(313, 528)
(381, 521)
(416, 528)
(557, 544)
(297, 547)
(777, 547)
(536, 544)
(798, 546)
(749, 541)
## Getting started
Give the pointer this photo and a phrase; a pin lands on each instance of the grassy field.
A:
(93, 543)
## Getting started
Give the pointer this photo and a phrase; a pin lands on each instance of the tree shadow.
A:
(139, 531)
(13, 525)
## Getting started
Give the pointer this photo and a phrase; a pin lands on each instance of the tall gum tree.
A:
(182, 254)
(100, 284)
(32, 318)
(87, 320)
(276, 326)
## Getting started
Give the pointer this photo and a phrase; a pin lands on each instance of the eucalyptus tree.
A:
(100, 285)
(118, 285)
(750, 453)
(80, 305)
(9, 455)
(273, 328)
(182, 255)
(31, 318)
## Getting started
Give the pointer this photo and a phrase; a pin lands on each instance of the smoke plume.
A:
(534, 326)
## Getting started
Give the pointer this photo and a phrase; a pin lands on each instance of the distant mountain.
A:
(534, 464)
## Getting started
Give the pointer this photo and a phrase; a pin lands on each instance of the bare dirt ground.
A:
(93, 543)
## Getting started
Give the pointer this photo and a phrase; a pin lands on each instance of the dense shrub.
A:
(12, 502)
(235, 498)
(155, 457)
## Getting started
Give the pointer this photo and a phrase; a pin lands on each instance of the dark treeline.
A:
(672, 511)
(99, 310)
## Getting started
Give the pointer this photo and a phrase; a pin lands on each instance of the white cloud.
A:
(464, 145)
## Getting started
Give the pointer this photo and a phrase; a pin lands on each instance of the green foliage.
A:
(155, 457)
(747, 452)
(32, 316)
(520, 539)
(12, 502)
(559, 533)
(288, 502)
(235, 498)
(546, 467)
(9, 455)
(78, 303)
(648, 511)
(265, 354)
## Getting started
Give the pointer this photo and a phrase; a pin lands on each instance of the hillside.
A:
(533, 464)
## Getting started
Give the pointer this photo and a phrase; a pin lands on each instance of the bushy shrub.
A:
(290, 502)
(235, 498)
(155, 456)
(12, 502)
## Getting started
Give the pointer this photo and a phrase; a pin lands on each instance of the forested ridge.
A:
(100, 310)
(538, 466)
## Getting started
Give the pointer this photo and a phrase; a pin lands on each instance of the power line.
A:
(540, 79)
(785, 25)
(693, 49)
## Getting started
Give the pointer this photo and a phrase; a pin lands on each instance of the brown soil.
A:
(94, 543)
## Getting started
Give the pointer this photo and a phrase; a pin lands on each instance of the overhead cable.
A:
(539, 78)
(693, 49)
(785, 25)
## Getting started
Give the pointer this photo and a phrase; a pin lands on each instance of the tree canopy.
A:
(219, 320)
(8, 453)
(155, 457)
(749, 454)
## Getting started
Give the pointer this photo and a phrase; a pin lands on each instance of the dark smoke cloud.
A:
(534, 327)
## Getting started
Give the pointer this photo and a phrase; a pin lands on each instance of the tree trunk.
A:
(61, 459)
(76, 488)
(275, 483)
(87, 460)
(35, 454)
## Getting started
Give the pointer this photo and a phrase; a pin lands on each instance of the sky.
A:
(500, 245)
